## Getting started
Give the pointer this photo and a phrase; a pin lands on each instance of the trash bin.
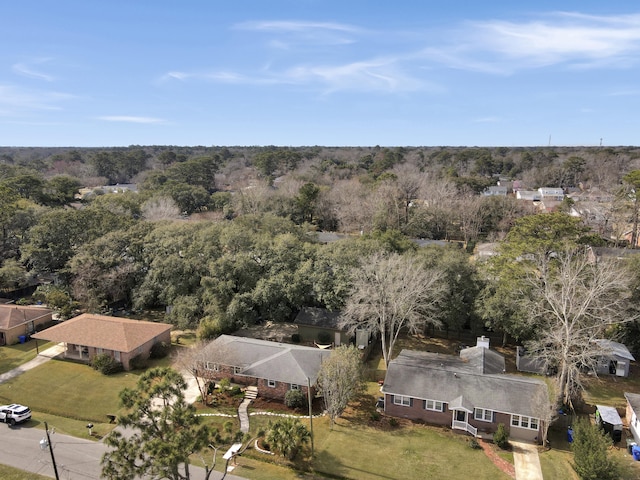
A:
(630, 445)
(635, 451)
(22, 338)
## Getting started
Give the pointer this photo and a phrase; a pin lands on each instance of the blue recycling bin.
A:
(570, 435)
(22, 338)
(635, 451)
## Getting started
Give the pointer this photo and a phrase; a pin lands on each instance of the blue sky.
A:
(319, 72)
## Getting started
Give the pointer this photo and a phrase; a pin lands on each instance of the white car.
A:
(14, 413)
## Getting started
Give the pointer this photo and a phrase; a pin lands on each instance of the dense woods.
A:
(221, 238)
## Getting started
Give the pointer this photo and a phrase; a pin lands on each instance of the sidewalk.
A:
(43, 357)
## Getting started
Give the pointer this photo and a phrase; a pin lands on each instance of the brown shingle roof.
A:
(100, 331)
(13, 315)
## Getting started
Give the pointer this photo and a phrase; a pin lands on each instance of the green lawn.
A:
(10, 473)
(12, 356)
(68, 395)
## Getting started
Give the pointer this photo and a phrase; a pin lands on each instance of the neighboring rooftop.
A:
(13, 315)
(281, 362)
(318, 317)
(101, 331)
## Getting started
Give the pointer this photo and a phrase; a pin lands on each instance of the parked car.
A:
(14, 413)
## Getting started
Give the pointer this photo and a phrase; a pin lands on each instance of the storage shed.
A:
(610, 421)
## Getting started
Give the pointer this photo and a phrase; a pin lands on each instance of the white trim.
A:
(522, 421)
(436, 405)
(482, 413)
(400, 400)
(211, 366)
(294, 386)
(271, 383)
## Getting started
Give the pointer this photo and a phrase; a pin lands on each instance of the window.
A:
(295, 386)
(271, 383)
(237, 370)
(211, 366)
(433, 405)
(524, 422)
(116, 355)
(402, 400)
(99, 351)
(483, 415)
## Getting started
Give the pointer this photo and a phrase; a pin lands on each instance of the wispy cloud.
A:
(562, 38)
(130, 119)
(27, 70)
(18, 100)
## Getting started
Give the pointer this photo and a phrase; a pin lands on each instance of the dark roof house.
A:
(470, 392)
(272, 367)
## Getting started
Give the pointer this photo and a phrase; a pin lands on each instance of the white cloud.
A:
(18, 100)
(27, 70)
(296, 26)
(571, 39)
(130, 119)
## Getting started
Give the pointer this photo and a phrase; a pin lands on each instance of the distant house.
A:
(529, 195)
(632, 414)
(529, 363)
(88, 335)
(21, 321)
(321, 326)
(469, 392)
(273, 367)
(495, 190)
(549, 193)
(615, 360)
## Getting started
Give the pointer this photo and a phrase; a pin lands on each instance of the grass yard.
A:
(12, 356)
(10, 473)
(68, 395)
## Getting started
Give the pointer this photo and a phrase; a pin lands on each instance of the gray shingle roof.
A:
(634, 401)
(446, 378)
(615, 348)
(318, 317)
(281, 362)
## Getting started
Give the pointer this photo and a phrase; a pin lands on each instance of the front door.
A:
(461, 416)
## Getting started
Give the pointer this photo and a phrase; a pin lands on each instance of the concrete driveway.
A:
(41, 358)
(526, 460)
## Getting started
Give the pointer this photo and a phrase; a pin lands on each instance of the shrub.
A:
(139, 362)
(501, 436)
(105, 364)
(159, 350)
(235, 391)
(375, 416)
(224, 385)
(324, 337)
(591, 458)
(295, 337)
(295, 399)
(393, 422)
(473, 443)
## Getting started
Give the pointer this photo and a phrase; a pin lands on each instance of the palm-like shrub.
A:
(287, 436)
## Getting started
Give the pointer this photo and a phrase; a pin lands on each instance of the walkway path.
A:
(250, 394)
(527, 461)
(41, 358)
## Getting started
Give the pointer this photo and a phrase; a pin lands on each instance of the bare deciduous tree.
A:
(192, 360)
(573, 302)
(160, 208)
(340, 378)
(391, 294)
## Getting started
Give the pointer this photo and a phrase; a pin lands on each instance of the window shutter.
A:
(411, 402)
(424, 404)
(493, 417)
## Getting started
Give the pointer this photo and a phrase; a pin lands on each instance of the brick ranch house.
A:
(273, 367)
(88, 335)
(469, 392)
(17, 321)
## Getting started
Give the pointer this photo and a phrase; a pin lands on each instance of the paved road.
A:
(76, 458)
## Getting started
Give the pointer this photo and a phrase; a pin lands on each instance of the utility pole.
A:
(43, 444)
(310, 412)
